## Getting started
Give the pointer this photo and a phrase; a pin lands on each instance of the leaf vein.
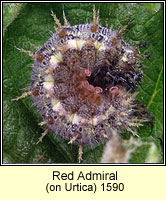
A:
(155, 89)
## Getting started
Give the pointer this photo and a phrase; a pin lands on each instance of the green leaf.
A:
(20, 119)
(10, 12)
(153, 7)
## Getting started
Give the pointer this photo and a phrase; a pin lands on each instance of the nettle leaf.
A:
(20, 119)
(10, 12)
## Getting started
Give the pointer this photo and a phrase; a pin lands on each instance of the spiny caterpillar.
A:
(83, 83)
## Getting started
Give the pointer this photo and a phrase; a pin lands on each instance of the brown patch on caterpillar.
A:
(40, 57)
(35, 91)
(50, 120)
(62, 33)
(93, 28)
(115, 41)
